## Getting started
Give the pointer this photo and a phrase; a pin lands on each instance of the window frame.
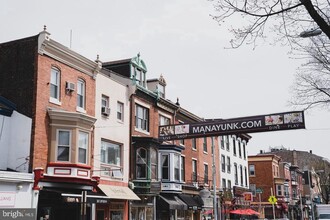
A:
(206, 173)
(205, 144)
(69, 146)
(228, 165)
(223, 163)
(120, 111)
(143, 163)
(142, 121)
(252, 170)
(165, 167)
(83, 148)
(81, 95)
(57, 86)
(117, 149)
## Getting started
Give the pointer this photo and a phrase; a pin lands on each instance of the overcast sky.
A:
(179, 39)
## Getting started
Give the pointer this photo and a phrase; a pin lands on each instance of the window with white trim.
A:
(110, 153)
(194, 170)
(177, 167)
(141, 118)
(153, 163)
(55, 85)
(252, 171)
(223, 163)
(81, 93)
(194, 144)
(82, 147)
(228, 165)
(63, 145)
(206, 173)
(165, 167)
(120, 111)
(105, 105)
(183, 172)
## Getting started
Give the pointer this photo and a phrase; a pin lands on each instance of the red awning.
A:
(244, 212)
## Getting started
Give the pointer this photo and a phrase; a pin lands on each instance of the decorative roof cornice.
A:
(57, 51)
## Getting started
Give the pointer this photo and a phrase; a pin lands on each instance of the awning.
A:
(171, 202)
(193, 203)
(118, 192)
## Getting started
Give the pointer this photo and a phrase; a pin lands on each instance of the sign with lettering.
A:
(7, 199)
(18, 214)
(217, 127)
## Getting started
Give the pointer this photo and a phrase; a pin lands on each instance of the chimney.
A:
(310, 151)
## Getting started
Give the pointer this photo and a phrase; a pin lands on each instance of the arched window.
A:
(141, 163)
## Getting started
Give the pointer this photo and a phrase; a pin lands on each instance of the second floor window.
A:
(105, 105)
(153, 162)
(165, 167)
(83, 147)
(206, 174)
(141, 118)
(234, 147)
(228, 165)
(194, 171)
(110, 153)
(120, 111)
(183, 172)
(177, 167)
(235, 174)
(55, 84)
(241, 174)
(81, 94)
(63, 145)
(205, 144)
(279, 190)
(141, 163)
(252, 171)
(222, 142)
(194, 144)
(223, 163)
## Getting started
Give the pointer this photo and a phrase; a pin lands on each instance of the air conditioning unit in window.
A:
(69, 86)
(105, 111)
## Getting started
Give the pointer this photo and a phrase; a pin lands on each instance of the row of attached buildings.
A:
(79, 140)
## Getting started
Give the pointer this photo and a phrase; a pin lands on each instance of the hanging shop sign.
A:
(218, 127)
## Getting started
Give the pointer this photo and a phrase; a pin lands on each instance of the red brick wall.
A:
(68, 103)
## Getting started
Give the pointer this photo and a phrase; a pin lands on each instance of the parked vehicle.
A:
(323, 211)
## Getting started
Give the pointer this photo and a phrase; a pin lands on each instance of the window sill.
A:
(142, 131)
(55, 101)
(79, 109)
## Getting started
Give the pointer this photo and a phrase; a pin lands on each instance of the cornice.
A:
(57, 51)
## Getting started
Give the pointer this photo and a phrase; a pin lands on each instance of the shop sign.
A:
(217, 127)
(7, 199)
(70, 199)
(248, 196)
(18, 214)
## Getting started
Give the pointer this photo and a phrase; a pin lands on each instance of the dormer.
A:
(133, 68)
(158, 86)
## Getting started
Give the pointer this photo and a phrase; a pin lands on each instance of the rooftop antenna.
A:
(70, 38)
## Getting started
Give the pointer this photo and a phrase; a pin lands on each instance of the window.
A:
(244, 151)
(223, 182)
(165, 167)
(205, 144)
(139, 76)
(161, 90)
(228, 165)
(212, 145)
(182, 168)
(234, 147)
(63, 145)
(241, 173)
(110, 153)
(141, 118)
(177, 167)
(239, 149)
(279, 190)
(223, 163)
(55, 85)
(246, 176)
(222, 142)
(194, 144)
(235, 174)
(206, 174)
(252, 171)
(105, 105)
(181, 142)
(153, 162)
(227, 142)
(141, 163)
(229, 184)
(83, 147)
(194, 171)
(164, 120)
(120, 111)
(81, 94)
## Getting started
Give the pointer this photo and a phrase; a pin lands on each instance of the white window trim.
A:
(79, 108)
(122, 113)
(70, 144)
(87, 149)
